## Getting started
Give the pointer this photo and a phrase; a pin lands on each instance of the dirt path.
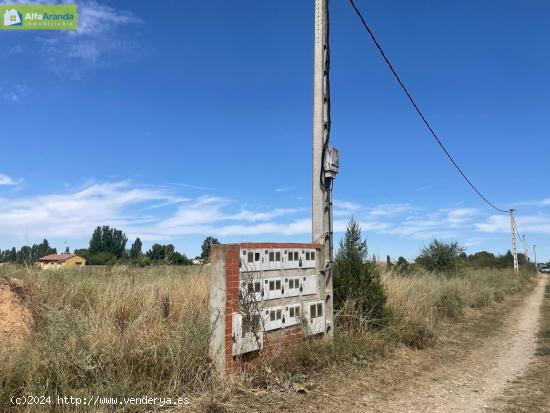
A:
(466, 383)
(471, 385)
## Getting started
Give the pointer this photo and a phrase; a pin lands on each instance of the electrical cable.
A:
(392, 69)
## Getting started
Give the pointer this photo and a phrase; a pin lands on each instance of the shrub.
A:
(402, 266)
(357, 279)
(102, 258)
(441, 257)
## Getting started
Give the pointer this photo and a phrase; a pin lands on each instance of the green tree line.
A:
(107, 246)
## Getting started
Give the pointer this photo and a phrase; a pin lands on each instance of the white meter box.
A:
(247, 336)
(292, 286)
(274, 318)
(292, 315)
(273, 288)
(314, 314)
(309, 284)
(252, 260)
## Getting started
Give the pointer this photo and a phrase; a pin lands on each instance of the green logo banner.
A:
(38, 17)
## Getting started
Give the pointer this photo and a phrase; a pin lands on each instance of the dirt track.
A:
(466, 384)
(470, 386)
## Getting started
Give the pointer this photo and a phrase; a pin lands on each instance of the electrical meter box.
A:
(251, 290)
(274, 318)
(292, 314)
(273, 260)
(265, 295)
(309, 284)
(331, 162)
(292, 286)
(273, 288)
(314, 315)
(247, 335)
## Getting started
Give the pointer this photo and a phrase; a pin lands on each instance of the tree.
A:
(356, 279)
(41, 250)
(83, 252)
(109, 240)
(165, 254)
(441, 257)
(207, 247)
(506, 260)
(482, 259)
(402, 266)
(135, 250)
(389, 264)
(102, 258)
(67, 250)
(159, 252)
(175, 258)
(24, 255)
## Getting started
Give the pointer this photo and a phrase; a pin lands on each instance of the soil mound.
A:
(15, 317)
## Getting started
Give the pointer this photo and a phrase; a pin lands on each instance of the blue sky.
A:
(177, 120)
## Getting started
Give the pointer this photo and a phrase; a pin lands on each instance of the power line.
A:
(392, 69)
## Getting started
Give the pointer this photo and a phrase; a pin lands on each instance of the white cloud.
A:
(532, 224)
(540, 203)
(95, 19)
(75, 214)
(14, 93)
(404, 220)
(8, 180)
(246, 215)
(95, 43)
(460, 215)
(161, 214)
(139, 211)
(17, 49)
(301, 226)
(347, 208)
(390, 209)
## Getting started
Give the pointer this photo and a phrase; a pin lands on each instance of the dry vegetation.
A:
(530, 393)
(129, 332)
(110, 331)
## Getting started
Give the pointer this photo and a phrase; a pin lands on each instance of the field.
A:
(124, 331)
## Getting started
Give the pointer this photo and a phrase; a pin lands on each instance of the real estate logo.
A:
(39, 17)
(12, 18)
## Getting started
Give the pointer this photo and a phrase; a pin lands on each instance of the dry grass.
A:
(113, 332)
(418, 304)
(129, 331)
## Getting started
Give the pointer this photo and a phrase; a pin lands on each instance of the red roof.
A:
(57, 257)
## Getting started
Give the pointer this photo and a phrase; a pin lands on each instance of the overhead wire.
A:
(415, 106)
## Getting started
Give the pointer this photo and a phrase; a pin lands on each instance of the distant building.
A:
(198, 261)
(57, 261)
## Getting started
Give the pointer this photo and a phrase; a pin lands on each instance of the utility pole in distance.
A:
(535, 253)
(514, 246)
(325, 158)
(525, 250)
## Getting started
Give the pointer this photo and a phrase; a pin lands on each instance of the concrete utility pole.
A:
(535, 253)
(525, 250)
(325, 158)
(514, 246)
